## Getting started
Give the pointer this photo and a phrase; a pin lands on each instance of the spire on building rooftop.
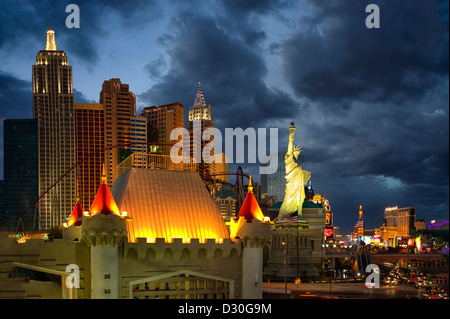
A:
(51, 44)
(199, 98)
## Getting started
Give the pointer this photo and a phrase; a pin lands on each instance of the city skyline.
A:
(371, 106)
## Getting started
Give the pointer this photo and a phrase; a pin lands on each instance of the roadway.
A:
(339, 290)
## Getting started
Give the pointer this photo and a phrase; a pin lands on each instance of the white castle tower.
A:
(104, 229)
(253, 231)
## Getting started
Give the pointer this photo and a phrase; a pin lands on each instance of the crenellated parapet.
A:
(104, 230)
(177, 249)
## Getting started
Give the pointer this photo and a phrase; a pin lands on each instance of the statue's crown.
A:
(297, 148)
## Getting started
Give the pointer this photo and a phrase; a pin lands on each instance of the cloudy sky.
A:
(371, 105)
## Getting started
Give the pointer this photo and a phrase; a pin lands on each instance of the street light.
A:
(332, 261)
(285, 270)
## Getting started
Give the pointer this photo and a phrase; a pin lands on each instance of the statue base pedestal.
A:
(301, 223)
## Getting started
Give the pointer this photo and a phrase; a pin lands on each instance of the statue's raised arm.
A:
(291, 139)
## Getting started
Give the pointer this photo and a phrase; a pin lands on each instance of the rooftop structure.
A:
(168, 204)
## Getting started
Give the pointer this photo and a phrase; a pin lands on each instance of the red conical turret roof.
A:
(104, 202)
(250, 208)
(76, 213)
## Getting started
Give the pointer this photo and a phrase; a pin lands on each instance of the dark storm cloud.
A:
(15, 103)
(15, 97)
(333, 58)
(243, 8)
(380, 155)
(23, 23)
(409, 144)
(242, 17)
(231, 73)
(376, 132)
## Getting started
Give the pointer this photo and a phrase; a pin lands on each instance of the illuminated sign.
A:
(389, 209)
(411, 242)
(365, 239)
(328, 232)
(22, 237)
(328, 218)
(419, 245)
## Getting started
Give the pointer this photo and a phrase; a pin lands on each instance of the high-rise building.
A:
(420, 224)
(20, 187)
(221, 167)
(199, 121)
(53, 108)
(406, 217)
(161, 120)
(90, 140)
(274, 184)
(120, 105)
(138, 127)
(402, 218)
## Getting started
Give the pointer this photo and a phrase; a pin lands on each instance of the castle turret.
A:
(104, 229)
(253, 231)
(72, 228)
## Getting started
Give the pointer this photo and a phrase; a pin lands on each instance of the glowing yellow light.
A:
(266, 218)
(124, 214)
(86, 213)
(65, 225)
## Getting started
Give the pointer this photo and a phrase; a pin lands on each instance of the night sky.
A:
(371, 106)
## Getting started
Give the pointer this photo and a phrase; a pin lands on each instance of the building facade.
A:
(143, 240)
(227, 207)
(274, 184)
(53, 107)
(402, 218)
(90, 141)
(200, 120)
(21, 186)
(221, 167)
(120, 106)
(161, 121)
(138, 128)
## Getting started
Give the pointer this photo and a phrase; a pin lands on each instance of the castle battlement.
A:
(194, 249)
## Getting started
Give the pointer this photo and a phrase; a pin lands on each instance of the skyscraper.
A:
(161, 121)
(402, 218)
(139, 135)
(120, 105)
(53, 108)
(274, 184)
(21, 173)
(200, 115)
(90, 140)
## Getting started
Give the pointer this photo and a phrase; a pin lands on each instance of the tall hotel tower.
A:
(90, 140)
(200, 115)
(54, 110)
(120, 105)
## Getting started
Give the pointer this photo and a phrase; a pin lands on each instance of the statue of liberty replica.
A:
(295, 250)
(296, 178)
